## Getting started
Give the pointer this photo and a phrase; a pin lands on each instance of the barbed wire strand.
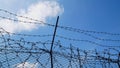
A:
(64, 27)
(21, 51)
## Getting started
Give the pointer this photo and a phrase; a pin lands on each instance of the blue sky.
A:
(98, 15)
(94, 15)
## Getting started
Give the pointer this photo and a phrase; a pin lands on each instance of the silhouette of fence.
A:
(18, 52)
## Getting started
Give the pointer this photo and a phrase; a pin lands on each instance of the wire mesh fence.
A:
(19, 52)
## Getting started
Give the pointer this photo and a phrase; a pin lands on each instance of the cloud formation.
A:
(40, 11)
(26, 65)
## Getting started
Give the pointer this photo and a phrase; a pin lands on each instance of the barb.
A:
(61, 37)
(86, 41)
(19, 52)
(63, 27)
(79, 31)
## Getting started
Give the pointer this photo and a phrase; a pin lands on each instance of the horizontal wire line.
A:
(34, 52)
(102, 39)
(63, 27)
(71, 39)
(66, 39)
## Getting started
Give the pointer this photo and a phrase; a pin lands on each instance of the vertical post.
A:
(51, 49)
(70, 61)
(79, 58)
(104, 60)
(118, 60)
(108, 60)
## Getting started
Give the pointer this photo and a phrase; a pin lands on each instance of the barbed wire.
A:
(35, 43)
(33, 50)
(22, 40)
(71, 39)
(113, 40)
(61, 37)
(21, 53)
(102, 39)
(19, 34)
(63, 27)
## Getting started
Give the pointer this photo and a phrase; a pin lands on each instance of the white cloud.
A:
(26, 65)
(41, 11)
